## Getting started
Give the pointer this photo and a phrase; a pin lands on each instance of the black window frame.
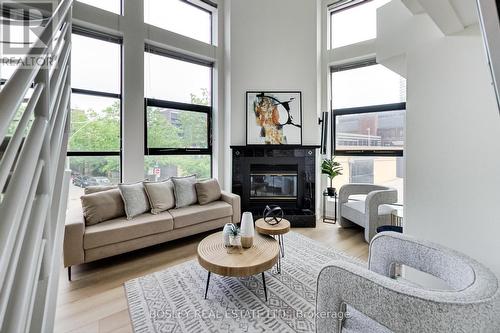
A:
(361, 110)
(205, 109)
(110, 39)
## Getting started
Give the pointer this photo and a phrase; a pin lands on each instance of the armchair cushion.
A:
(355, 211)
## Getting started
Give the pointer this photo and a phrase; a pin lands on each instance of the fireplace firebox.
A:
(273, 182)
(276, 175)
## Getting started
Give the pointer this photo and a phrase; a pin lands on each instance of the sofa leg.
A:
(69, 273)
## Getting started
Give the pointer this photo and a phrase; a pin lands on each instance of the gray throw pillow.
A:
(102, 206)
(185, 191)
(208, 191)
(161, 195)
(135, 199)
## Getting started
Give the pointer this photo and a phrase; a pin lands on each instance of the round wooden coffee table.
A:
(214, 257)
(277, 230)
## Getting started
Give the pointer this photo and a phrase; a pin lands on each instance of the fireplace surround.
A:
(279, 175)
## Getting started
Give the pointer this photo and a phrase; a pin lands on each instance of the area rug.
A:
(173, 300)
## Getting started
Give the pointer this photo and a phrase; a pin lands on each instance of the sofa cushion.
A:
(120, 229)
(135, 199)
(195, 214)
(208, 191)
(185, 191)
(99, 188)
(102, 206)
(161, 195)
(355, 211)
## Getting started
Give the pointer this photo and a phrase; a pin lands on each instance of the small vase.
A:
(247, 230)
(225, 234)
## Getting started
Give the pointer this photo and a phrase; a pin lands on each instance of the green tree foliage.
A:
(99, 130)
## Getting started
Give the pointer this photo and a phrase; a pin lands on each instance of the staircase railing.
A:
(34, 180)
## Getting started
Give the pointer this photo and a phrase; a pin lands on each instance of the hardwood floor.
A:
(95, 300)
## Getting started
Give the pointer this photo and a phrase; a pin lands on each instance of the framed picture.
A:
(274, 117)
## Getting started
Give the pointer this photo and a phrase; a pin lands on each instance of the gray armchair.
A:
(370, 213)
(371, 300)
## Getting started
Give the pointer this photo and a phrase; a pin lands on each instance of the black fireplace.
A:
(278, 175)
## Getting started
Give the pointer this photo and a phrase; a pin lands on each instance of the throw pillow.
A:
(208, 191)
(160, 195)
(95, 189)
(185, 191)
(102, 206)
(135, 199)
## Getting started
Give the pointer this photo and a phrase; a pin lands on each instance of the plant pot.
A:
(331, 191)
(235, 241)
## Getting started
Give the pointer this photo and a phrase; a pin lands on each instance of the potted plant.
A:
(234, 236)
(332, 169)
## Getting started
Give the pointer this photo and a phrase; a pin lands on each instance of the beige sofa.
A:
(83, 244)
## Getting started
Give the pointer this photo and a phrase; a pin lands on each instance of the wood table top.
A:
(214, 257)
(265, 228)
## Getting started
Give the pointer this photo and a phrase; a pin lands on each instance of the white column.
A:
(133, 92)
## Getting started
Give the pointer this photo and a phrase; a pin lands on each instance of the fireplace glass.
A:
(273, 185)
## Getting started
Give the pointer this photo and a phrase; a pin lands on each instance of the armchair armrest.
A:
(351, 189)
(235, 201)
(373, 200)
(390, 248)
(73, 238)
(398, 307)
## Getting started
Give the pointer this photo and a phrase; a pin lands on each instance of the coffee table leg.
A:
(208, 281)
(282, 246)
(264, 283)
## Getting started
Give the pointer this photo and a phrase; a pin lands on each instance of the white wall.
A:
(273, 46)
(453, 147)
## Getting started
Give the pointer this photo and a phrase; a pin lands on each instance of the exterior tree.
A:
(99, 130)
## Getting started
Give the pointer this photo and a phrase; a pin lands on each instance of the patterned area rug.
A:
(173, 300)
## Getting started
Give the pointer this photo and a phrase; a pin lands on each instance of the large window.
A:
(369, 118)
(354, 21)
(178, 112)
(382, 170)
(182, 17)
(114, 6)
(94, 143)
(368, 102)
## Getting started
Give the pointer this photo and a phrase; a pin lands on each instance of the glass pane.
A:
(370, 131)
(161, 167)
(92, 70)
(387, 171)
(273, 186)
(177, 81)
(113, 6)
(369, 85)
(91, 171)
(356, 24)
(179, 17)
(95, 123)
(170, 128)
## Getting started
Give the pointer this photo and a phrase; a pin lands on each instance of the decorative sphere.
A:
(273, 214)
